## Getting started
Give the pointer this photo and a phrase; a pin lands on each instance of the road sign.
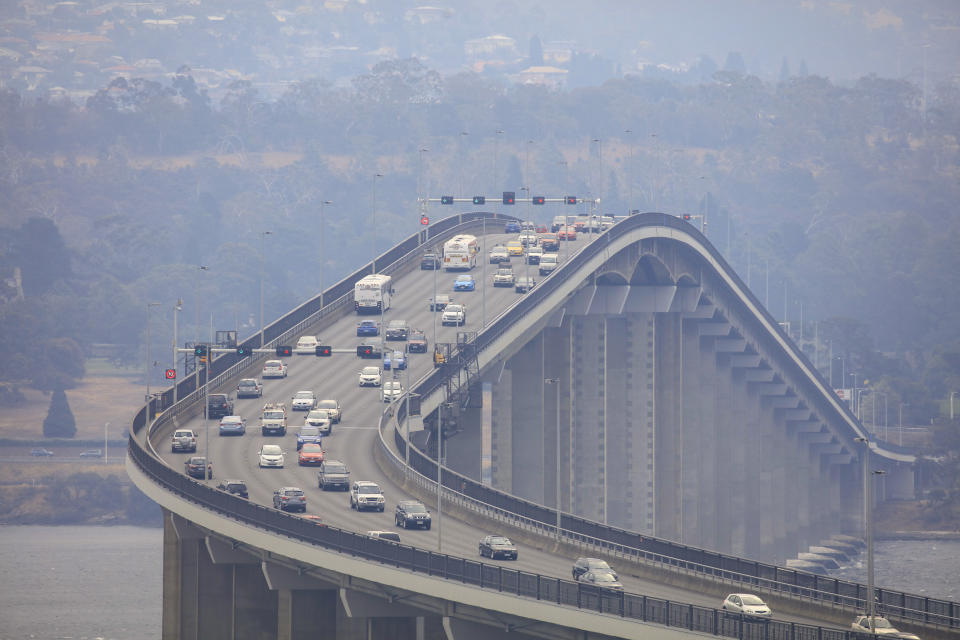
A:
(170, 374)
(424, 220)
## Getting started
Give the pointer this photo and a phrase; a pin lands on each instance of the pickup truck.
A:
(454, 314)
(503, 278)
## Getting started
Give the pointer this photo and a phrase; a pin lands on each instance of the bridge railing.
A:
(530, 515)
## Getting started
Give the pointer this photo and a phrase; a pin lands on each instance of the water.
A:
(924, 567)
(80, 582)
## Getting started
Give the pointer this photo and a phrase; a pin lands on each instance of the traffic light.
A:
(243, 351)
(479, 200)
(283, 350)
(200, 351)
(687, 217)
(324, 351)
(539, 200)
(509, 197)
(446, 199)
(571, 199)
(364, 351)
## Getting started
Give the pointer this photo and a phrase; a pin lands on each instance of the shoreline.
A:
(917, 535)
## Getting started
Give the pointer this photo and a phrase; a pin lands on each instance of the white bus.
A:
(460, 253)
(372, 293)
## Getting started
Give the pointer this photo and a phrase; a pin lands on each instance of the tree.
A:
(59, 422)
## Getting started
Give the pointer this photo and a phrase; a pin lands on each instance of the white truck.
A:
(548, 262)
(460, 253)
(371, 294)
(273, 422)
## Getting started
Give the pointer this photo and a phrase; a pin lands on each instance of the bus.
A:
(372, 293)
(460, 253)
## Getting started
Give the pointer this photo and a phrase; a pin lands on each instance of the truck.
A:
(460, 253)
(372, 293)
(274, 419)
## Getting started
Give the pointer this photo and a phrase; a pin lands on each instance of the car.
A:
(511, 227)
(319, 418)
(333, 409)
(274, 369)
(464, 282)
(41, 452)
(249, 388)
(236, 487)
(549, 242)
(881, 627)
(454, 314)
(498, 547)
(499, 254)
(503, 278)
(183, 440)
(308, 434)
(219, 405)
(392, 536)
(333, 474)
(542, 228)
(548, 262)
(232, 426)
(290, 499)
(368, 350)
(602, 579)
(527, 225)
(567, 233)
(417, 343)
(412, 513)
(439, 302)
(92, 453)
(273, 421)
(306, 346)
(270, 455)
(368, 328)
(582, 565)
(370, 377)
(524, 284)
(394, 359)
(397, 330)
(515, 248)
(747, 604)
(391, 390)
(558, 221)
(366, 495)
(528, 238)
(194, 467)
(533, 255)
(303, 400)
(311, 453)
(429, 262)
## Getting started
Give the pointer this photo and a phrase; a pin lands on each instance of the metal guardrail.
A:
(499, 504)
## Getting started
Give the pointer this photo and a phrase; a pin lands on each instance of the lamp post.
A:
(556, 383)
(373, 226)
(323, 255)
(147, 368)
(868, 525)
(952, 393)
(460, 160)
(177, 308)
(900, 437)
(629, 133)
(263, 261)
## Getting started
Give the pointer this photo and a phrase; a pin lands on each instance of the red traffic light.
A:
(284, 350)
(571, 199)
(539, 200)
(687, 216)
(509, 197)
(170, 374)
(324, 351)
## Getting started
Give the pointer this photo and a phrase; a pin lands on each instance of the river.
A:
(84, 583)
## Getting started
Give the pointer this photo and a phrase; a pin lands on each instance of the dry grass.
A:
(96, 401)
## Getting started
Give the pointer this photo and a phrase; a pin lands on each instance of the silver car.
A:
(333, 474)
(290, 499)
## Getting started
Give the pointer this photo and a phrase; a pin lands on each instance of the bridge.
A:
(670, 391)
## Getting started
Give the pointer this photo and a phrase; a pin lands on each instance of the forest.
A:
(836, 203)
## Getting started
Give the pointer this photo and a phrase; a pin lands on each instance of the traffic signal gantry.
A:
(510, 198)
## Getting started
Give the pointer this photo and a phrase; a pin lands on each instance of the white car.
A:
(548, 262)
(454, 314)
(499, 254)
(274, 369)
(271, 455)
(391, 390)
(303, 401)
(534, 254)
(306, 346)
(747, 604)
(881, 627)
(503, 278)
(366, 495)
(319, 418)
(333, 408)
(370, 377)
(528, 238)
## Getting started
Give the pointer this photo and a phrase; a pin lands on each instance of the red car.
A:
(567, 233)
(310, 453)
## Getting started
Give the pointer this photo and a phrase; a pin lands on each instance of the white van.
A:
(548, 262)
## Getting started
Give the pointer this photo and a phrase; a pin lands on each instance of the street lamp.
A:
(868, 525)
(263, 260)
(629, 132)
(460, 159)
(952, 393)
(373, 226)
(177, 308)
(323, 255)
(556, 382)
(149, 305)
(900, 438)
(600, 183)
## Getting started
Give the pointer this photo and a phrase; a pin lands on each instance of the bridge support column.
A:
(589, 437)
(306, 607)
(383, 619)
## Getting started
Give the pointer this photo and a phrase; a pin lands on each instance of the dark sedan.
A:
(498, 547)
